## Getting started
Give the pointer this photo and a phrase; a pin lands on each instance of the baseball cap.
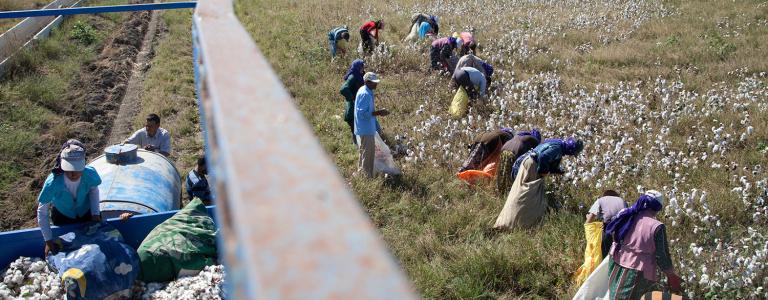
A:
(372, 77)
(73, 158)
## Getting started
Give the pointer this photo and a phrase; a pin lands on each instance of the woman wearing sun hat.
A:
(70, 193)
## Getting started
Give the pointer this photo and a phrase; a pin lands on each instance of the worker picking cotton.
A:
(70, 193)
(468, 43)
(365, 123)
(484, 155)
(369, 35)
(521, 143)
(338, 38)
(526, 204)
(441, 52)
(472, 80)
(471, 60)
(605, 209)
(422, 26)
(640, 247)
(152, 137)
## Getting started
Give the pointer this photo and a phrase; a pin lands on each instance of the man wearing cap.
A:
(152, 137)
(365, 122)
(70, 193)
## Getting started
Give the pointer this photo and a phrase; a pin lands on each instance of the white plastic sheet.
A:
(596, 285)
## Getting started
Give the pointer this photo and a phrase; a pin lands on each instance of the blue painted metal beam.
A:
(94, 10)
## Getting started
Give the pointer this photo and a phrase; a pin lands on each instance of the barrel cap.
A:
(121, 154)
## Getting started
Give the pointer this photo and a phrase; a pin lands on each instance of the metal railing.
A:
(291, 228)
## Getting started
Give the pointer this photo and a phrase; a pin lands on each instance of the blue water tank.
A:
(139, 182)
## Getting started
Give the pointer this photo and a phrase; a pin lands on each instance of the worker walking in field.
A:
(338, 38)
(365, 122)
(152, 137)
(70, 193)
(472, 80)
(369, 34)
(441, 52)
(605, 209)
(526, 204)
(353, 80)
(640, 247)
(468, 43)
(197, 182)
(521, 143)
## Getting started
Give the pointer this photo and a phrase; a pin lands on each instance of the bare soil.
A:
(93, 105)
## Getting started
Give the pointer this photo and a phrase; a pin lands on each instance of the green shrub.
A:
(83, 32)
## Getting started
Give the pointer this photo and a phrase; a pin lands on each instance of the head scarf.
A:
(627, 218)
(57, 163)
(488, 69)
(534, 133)
(509, 131)
(570, 145)
(355, 70)
(433, 19)
(452, 41)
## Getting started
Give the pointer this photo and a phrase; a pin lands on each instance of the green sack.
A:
(459, 104)
(182, 245)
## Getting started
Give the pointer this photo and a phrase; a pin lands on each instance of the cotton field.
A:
(703, 146)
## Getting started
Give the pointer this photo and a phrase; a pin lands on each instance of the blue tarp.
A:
(95, 262)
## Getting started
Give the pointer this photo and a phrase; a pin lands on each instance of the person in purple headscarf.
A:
(353, 80)
(523, 142)
(639, 247)
(549, 154)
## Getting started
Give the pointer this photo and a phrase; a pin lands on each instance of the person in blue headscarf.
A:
(639, 247)
(353, 80)
(549, 154)
(521, 143)
(526, 204)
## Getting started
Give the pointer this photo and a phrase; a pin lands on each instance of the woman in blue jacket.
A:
(526, 204)
(70, 194)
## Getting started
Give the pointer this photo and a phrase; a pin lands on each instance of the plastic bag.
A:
(474, 176)
(414, 34)
(383, 162)
(459, 104)
(593, 233)
(95, 263)
(596, 286)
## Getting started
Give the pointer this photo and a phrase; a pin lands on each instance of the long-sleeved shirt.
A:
(370, 27)
(161, 140)
(197, 186)
(477, 79)
(71, 199)
(424, 29)
(365, 121)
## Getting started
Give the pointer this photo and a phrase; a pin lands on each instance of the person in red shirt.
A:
(370, 31)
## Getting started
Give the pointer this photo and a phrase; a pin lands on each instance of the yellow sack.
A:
(459, 104)
(592, 253)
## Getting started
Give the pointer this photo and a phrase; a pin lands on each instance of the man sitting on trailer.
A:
(152, 137)
(197, 183)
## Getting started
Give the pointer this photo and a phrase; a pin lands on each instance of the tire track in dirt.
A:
(92, 111)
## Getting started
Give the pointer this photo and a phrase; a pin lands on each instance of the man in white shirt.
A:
(152, 137)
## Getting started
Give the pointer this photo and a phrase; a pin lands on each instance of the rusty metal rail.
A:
(291, 229)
